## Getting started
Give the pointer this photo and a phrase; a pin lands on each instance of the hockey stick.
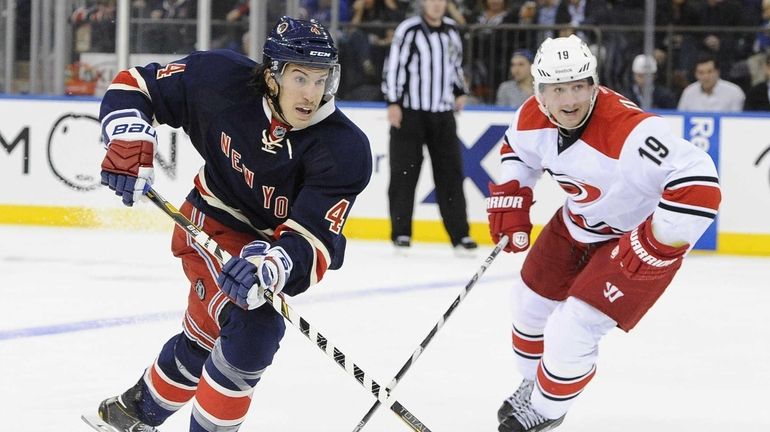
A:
(279, 304)
(416, 354)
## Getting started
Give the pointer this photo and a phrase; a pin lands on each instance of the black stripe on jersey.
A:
(608, 235)
(614, 234)
(686, 211)
(511, 158)
(707, 179)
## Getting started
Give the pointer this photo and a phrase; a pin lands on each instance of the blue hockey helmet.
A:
(302, 42)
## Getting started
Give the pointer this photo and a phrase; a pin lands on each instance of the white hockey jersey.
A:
(625, 166)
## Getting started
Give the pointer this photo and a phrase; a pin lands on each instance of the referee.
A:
(424, 85)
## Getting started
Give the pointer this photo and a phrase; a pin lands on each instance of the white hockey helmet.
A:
(563, 60)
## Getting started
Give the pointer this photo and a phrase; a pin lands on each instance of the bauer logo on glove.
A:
(131, 142)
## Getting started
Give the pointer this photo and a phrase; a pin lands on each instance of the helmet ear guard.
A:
(563, 60)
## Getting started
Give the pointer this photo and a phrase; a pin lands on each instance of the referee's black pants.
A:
(438, 131)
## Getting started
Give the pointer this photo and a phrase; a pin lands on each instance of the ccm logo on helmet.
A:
(320, 54)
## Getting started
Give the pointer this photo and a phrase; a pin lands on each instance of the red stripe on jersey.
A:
(125, 78)
(506, 148)
(527, 346)
(320, 266)
(695, 195)
(279, 231)
(561, 388)
(612, 109)
(531, 118)
(580, 221)
(199, 186)
(169, 390)
(196, 334)
(216, 305)
(221, 406)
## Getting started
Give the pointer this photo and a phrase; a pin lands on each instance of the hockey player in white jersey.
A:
(639, 198)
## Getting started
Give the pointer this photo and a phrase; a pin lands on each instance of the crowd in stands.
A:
(710, 68)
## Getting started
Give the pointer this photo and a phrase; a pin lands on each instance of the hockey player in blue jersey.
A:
(283, 167)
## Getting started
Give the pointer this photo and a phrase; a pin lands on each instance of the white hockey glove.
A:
(131, 143)
(259, 268)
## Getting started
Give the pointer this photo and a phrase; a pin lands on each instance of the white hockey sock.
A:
(530, 313)
(572, 337)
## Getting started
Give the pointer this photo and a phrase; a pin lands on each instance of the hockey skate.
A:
(521, 395)
(117, 414)
(517, 415)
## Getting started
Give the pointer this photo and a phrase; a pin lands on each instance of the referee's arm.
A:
(395, 66)
(459, 86)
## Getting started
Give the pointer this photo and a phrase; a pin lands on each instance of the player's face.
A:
(301, 91)
(568, 102)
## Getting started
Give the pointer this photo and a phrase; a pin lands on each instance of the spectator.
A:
(241, 9)
(95, 27)
(722, 45)
(422, 91)
(551, 12)
(519, 88)
(170, 33)
(364, 48)
(321, 10)
(490, 47)
(757, 99)
(661, 97)
(681, 45)
(760, 47)
(710, 92)
(526, 39)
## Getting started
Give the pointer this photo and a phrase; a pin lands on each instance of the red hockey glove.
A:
(508, 211)
(127, 167)
(642, 257)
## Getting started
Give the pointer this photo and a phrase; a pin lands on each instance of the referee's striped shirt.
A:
(424, 68)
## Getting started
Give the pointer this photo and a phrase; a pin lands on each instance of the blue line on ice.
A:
(172, 315)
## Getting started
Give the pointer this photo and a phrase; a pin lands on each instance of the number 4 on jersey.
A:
(170, 69)
(336, 216)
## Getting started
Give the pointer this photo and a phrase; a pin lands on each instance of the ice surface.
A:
(83, 312)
